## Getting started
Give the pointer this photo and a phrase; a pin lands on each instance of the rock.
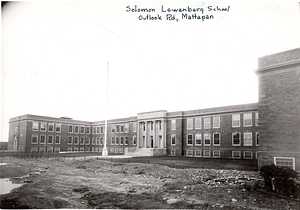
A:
(234, 200)
(172, 200)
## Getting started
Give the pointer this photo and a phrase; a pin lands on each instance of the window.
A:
(34, 139)
(285, 162)
(256, 118)
(198, 140)
(97, 141)
(134, 127)
(93, 140)
(76, 140)
(216, 121)
(75, 149)
(34, 149)
(116, 150)
(134, 140)
(151, 126)
(87, 149)
(51, 127)
(144, 126)
(189, 153)
(207, 139)
(81, 149)
(101, 141)
(206, 122)
(173, 139)
(248, 155)
(206, 153)
(236, 154)
(97, 130)
(159, 125)
(198, 123)
(69, 149)
(236, 139)
(101, 129)
(57, 139)
(43, 126)
(189, 123)
(247, 139)
(122, 128)
(117, 140)
(236, 120)
(117, 129)
(50, 149)
(58, 127)
(76, 128)
(198, 153)
(82, 129)
(120, 150)
(87, 129)
(126, 140)
(112, 128)
(42, 149)
(257, 139)
(35, 126)
(81, 140)
(247, 119)
(87, 140)
(216, 137)
(121, 140)
(173, 152)
(70, 130)
(56, 149)
(43, 139)
(189, 139)
(173, 124)
(216, 154)
(70, 140)
(112, 140)
(50, 139)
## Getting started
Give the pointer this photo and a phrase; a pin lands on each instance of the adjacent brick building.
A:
(268, 130)
(279, 109)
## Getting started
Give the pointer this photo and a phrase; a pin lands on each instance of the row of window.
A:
(120, 128)
(45, 140)
(216, 139)
(196, 123)
(51, 127)
(192, 123)
(45, 149)
(216, 154)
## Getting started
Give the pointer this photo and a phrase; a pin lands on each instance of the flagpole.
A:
(104, 150)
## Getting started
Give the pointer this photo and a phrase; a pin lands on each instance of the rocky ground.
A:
(99, 183)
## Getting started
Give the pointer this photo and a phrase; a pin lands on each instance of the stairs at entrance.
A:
(135, 152)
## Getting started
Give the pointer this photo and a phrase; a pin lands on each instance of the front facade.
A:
(268, 130)
(223, 132)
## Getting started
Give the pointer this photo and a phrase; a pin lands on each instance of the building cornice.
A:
(277, 66)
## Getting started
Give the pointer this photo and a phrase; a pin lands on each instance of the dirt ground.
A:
(102, 184)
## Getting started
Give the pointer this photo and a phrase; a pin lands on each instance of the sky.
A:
(55, 55)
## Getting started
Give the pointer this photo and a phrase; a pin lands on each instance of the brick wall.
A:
(279, 108)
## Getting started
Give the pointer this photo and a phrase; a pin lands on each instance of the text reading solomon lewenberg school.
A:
(176, 14)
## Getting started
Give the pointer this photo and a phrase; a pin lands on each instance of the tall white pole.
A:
(105, 151)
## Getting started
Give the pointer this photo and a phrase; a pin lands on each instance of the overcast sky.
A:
(54, 56)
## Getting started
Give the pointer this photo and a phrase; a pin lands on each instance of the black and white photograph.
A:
(150, 105)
